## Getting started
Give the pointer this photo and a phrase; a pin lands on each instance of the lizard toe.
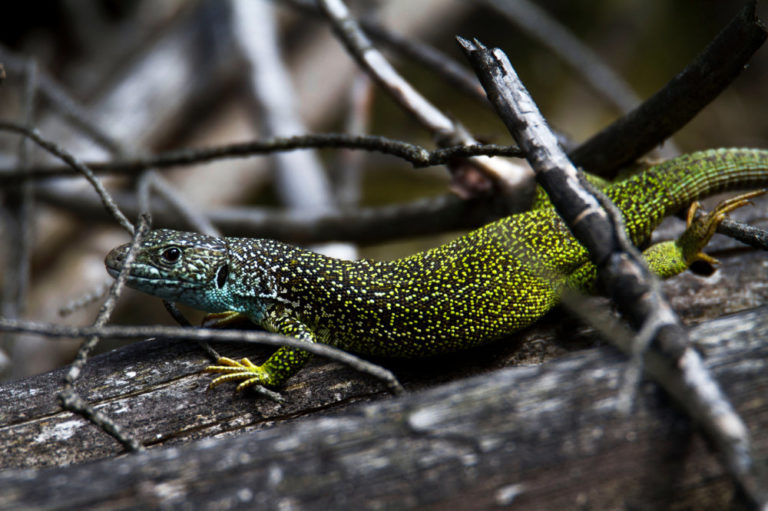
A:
(243, 371)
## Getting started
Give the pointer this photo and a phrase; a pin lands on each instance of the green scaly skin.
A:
(479, 287)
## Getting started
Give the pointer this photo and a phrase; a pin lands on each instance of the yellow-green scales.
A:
(477, 288)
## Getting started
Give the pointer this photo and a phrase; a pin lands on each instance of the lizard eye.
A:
(221, 275)
(171, 255)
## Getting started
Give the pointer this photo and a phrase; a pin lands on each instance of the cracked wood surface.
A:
(538, 437)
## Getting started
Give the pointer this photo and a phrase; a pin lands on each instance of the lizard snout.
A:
(115, 258)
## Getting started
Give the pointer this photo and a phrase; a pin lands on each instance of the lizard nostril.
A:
(116, 257)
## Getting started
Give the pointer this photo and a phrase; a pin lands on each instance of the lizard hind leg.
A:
(670, 258)
(701, 229)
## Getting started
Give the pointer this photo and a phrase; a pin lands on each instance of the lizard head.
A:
(183, 267)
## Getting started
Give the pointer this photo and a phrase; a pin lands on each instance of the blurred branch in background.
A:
(350, 165)
(17, 215)
(414, 154)
(471, 177)
(536, 23)
(679, 101)
(301, 182)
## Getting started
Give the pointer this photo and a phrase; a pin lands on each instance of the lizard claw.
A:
(244, 371)
(701, 228)
(723, 208)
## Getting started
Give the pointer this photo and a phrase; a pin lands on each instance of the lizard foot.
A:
(243, 371)
(701, 228)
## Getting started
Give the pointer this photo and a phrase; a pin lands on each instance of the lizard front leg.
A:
(280, 366)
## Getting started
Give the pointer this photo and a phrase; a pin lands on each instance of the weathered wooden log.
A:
(539, 437)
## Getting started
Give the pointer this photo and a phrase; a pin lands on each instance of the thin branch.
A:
(416, 155)
(73, 162)
(515, 181)
(428, 56)
(144, 193)
(206, 334)
(68, 396)
(747, 234)
(188, 213)
(362, 225)
(254, 25)
(84, 300)
(669, 109)
(184, 322)
(597, 315)
(421, 53)
(381, 71)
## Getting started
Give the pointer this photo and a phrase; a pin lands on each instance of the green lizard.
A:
(479, 287)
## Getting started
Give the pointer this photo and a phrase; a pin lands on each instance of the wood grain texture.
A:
(529, 437)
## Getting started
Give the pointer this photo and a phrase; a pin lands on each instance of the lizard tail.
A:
(646, 198)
